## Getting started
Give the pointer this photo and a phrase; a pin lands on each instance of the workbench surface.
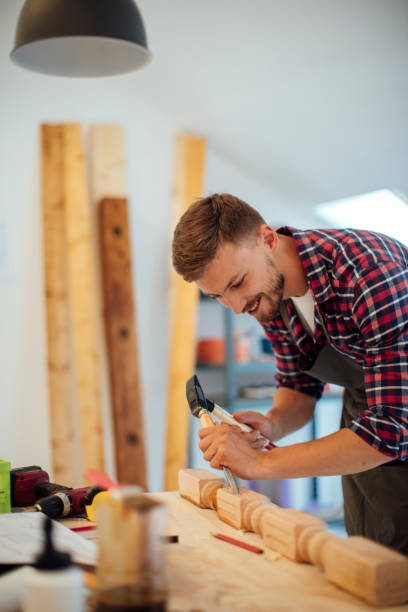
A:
(206, 574)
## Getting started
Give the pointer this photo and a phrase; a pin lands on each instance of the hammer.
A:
(221, 413)
(198, 406)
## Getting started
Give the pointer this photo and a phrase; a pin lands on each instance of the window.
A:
(379, 211)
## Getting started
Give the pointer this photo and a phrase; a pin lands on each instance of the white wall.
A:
(26, 100)
(223, 176)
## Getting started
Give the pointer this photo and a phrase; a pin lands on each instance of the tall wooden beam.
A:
(109, 192)
(107, 162)
(61, 390)
(122, 342)
(83, 297)
(188, 186)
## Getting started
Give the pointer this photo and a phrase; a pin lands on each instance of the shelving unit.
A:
(232, 369)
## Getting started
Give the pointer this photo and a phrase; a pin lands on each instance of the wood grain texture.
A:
(209, 493)
(251, 516)
(311, 544)
(121, 338)
(205, 574)
(231, 507)
(369, 570)
(311, 553)
(192, 484)
(372, 572)
(61, 386)
(107, 162)
(282, 528)
(107, 165)
(188, 186)
(83, 297)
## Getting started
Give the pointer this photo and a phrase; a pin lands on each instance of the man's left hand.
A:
(224, 445)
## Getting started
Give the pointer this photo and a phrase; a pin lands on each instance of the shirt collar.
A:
(314, 258)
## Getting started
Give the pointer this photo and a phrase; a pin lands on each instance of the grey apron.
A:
(375, 501)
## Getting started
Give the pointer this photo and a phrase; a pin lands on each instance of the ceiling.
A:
(309, 97)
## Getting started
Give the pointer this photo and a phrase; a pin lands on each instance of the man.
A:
(334, 304)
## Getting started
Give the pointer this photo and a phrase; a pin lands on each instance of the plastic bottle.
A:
(130, 574)
(55, 584)
(4, 486)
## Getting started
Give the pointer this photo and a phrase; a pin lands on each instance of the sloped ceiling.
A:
(308, 96)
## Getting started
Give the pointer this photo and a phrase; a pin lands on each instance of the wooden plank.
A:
(188, 186)
(60, 358)
(122, 342)
(83, 297)
(108, 180)
(107, 162)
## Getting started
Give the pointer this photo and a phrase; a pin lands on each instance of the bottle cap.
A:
(49, 558)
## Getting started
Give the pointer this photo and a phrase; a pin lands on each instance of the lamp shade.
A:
(80, 38)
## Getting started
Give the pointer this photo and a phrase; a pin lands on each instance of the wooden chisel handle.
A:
(226, 417)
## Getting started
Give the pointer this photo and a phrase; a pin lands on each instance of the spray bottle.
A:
(54, 583)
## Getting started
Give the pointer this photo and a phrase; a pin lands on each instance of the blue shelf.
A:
(243, 403)
(240, 366)
(254, 366)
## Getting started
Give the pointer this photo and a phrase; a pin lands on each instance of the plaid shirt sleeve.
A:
(287, 373)
(380, 311)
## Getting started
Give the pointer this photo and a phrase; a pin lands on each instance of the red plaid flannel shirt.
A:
(359, 281)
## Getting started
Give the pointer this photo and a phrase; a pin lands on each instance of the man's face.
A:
(244, 278)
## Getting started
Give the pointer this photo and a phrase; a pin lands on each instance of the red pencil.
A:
(225, 538)
(83, 528)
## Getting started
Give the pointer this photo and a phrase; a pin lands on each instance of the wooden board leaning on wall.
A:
(73, 348)
(188, 186)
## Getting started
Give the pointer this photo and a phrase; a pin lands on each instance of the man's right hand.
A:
(259, 423)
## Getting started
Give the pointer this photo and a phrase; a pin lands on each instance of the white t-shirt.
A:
(305, 305)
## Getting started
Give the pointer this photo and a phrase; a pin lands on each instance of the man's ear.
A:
(268, 237)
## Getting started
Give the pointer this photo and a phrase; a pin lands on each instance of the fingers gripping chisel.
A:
(222, 414)
(198, 406)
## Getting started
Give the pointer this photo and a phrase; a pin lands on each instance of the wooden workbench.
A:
(206, 574)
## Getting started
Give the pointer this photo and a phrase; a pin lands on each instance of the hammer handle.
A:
(205, 419)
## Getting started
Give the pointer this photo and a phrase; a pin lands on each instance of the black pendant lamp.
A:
(80, 38)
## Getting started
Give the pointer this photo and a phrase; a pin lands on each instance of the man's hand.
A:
(342, 452)
(224, 445)
(260, 424)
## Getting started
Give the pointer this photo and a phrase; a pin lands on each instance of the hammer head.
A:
(195, 396)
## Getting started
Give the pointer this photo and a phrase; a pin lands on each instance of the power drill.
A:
(70, 502)
(28, 484)
(31, 486)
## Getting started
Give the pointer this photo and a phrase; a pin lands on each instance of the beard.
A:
(271, 298)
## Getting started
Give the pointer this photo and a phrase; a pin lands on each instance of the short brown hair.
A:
(206, 225)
